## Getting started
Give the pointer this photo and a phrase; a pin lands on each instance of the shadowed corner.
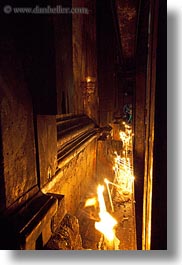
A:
(8, 238)
(2, 186)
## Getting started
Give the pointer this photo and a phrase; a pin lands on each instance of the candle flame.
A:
(107, 222)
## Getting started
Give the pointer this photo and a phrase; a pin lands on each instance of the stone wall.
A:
(36, 74)
(18, 162)
(84, 58)
(74, 178)
(47, 147)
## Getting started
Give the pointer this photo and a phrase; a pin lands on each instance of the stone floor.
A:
(81, 234)
(124, 213)
(87, 216)
(126, 229)
(67, 236)
(78, 232)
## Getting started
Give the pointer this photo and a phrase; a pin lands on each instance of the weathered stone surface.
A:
(67, 236)
(90, 236)
(105, 158)
(40, 227)
(74, 178)
(64, 69)
(47, 145)
(127, 16)
(60, 213)
(84, 57)
(18, 164)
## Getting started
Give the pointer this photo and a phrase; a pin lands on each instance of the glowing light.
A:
(109, 193)
(107, 222)
(123, 183)
(90, 202)
(88, 79)
(122, 167)
(123, 174)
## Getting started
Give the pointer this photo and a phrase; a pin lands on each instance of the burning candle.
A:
(107, 222)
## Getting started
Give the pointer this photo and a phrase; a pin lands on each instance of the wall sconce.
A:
(89, 85)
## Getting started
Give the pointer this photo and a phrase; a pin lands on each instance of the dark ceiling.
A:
(127, 13)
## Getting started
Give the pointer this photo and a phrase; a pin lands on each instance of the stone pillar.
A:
(140, 114)
(85, 60)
